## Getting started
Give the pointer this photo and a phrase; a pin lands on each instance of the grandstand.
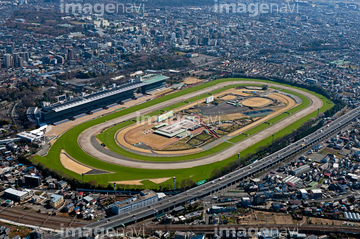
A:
(33, 115)
(72, 107)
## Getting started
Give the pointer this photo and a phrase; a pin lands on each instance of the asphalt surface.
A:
(221, 183)
(84, 139)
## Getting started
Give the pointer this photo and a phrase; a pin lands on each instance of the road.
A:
(225, 181)
(84, 139)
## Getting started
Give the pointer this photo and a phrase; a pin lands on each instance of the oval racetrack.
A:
(84, 139)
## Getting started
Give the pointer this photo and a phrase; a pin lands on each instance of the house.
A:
(88, 199)
(259, 199)
(304, 194)
(69, 208)
(316, 193)
(56, 200)
(77, 209)
(62, 184)
(245, 201)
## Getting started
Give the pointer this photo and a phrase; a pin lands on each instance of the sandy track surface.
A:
(256, 102)
(71, 165)
(139, 182)
(84, 139)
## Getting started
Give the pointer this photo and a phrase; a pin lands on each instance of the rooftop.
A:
(55, 197)
(152, 78)
(15, 192)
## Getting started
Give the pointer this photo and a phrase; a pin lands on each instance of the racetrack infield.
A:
(191, 160)
(69, 141)
(128, 136)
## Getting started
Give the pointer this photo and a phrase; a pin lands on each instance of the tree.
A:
(215, 173)
(186, 183)
(93, 183)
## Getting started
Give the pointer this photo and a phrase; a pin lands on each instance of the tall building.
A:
(16, 57)
(25, 56)
(206, 41)
(94, 45)
(9, 49)
(71, 54)
(21, 62)
(159, 39)
(112, 50)
(142, 40)
(7, 60)
(88, 54)
(60, 59)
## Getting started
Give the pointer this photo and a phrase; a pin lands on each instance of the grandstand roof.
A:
(93, 97)
(146, 80)
(153, 78)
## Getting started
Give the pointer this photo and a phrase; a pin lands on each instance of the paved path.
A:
(84, 139)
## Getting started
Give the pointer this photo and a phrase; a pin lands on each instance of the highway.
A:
(225, 181)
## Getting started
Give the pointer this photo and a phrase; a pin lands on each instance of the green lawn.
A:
(68, 141)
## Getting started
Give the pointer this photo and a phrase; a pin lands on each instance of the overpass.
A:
(225, 181)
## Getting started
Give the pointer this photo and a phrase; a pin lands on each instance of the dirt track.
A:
(256, 102)
(84, 139)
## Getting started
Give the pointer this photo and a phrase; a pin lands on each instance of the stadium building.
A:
(72, 107)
